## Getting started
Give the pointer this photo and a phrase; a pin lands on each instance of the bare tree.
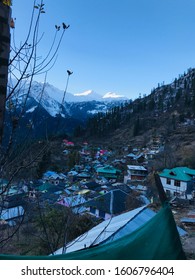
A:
(23, 65)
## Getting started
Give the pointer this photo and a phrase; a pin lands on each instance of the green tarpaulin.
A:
(158, 239)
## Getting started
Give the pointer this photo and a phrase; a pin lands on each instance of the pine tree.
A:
(136, 127)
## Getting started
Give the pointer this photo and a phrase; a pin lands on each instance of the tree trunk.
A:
(5, 12)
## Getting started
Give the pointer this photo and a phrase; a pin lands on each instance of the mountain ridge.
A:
(167, 106)
(40, 107)
(57, 102)
(88, 95)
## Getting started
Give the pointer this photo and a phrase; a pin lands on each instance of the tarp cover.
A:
(158, 239)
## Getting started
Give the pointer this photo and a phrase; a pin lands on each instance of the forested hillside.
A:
(168, 105)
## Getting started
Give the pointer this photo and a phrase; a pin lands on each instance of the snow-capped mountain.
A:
(91, 95)
(57, 102)
(88, 95)
(59, 95)
(46, 108)
(113, 96)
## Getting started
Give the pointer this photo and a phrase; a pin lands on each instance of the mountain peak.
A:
(88, 95)
(113, 95)
(85, 93)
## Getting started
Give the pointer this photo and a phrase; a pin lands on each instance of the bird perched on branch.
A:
(69, 72)
(57, 27)
(12, 23)
(65, 26)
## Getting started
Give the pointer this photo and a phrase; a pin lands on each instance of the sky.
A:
(123, 46)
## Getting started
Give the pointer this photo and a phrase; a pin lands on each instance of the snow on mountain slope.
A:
(50, 98)
(43, 94)
(113, 96)
(88, 95)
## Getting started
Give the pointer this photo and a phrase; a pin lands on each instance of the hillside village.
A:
(101, 185)
(71, 188)
(80, 171)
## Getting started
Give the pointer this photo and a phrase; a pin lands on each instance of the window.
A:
(168, 181)
(101, 214)
(168, 193)
(176, 194)
(177, 183)
(92, 209)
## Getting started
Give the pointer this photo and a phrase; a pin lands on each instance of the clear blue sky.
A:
(122, 46)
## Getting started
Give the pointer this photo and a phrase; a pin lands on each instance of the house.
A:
(53, 177)
(75, 202)
(139, 188)
(135, 173)
(83, 175)
(98, 235)
(131, 156)
(101, 181)
(108, 172)
(107, 205)
(12, 214)
(46, 192)
(45, 187)
(111, 230)
(157, 143)
(68, 143)
(119, 162)
(13, 200)
(72, 173)
(179, 181)
(139, 158)
(122, 187)
(12, 195)
(8, 190)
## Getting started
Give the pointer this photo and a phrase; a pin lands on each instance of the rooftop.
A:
(136, 167)
(178, 173)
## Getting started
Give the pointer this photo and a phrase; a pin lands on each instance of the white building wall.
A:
(126, 179)
(172, 188)
(107, 216)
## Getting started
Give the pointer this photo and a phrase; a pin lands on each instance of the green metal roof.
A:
(45, 187)
(178, 173)
(108, 169)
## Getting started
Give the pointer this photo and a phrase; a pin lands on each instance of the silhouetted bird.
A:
(12, 23)
(69, 72)
(65, 26)
(57, 27)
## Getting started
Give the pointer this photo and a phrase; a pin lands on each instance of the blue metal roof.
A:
(137, 221)
(112, 229)
(187, 220)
